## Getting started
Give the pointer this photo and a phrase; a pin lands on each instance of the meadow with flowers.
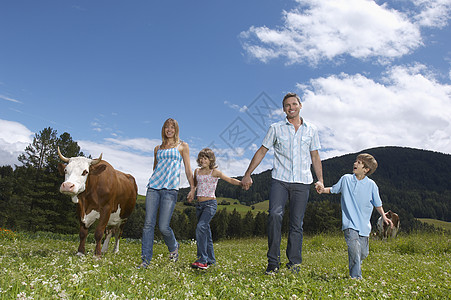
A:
(44, 266)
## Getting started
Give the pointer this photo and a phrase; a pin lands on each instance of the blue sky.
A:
(370, 73)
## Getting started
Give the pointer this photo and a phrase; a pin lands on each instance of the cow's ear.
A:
(97, 169)
(61, 168)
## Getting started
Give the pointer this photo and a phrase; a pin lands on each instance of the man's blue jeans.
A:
(358, 250)
(205, 210)
(297, 194)
(164, 202)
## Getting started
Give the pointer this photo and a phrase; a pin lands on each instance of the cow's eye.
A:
(85, 172)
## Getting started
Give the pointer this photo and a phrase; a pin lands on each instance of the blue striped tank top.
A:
(167, 171)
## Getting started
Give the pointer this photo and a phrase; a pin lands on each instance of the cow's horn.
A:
(65, 159)
(97, 160)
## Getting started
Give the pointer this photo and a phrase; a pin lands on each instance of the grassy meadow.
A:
(437, 223)
(236, 205)
(233, 204)
(44, 266)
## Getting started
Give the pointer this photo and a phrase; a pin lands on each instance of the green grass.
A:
(242, 209)
(234, 204)
(437, 223)
(45, 267)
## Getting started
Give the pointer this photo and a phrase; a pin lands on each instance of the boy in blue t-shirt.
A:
(358, 196)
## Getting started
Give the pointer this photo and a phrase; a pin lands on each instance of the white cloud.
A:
(241, 109)
(433, 13)
(408, 107)
(320, 30)
(139, 144)
(14, 138)
(9, 99)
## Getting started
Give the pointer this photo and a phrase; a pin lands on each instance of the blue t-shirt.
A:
(357, 200)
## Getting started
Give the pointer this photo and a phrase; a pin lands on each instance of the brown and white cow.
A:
(385, 230)
(102, 193)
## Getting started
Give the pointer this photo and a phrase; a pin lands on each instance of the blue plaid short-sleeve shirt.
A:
(292, 160)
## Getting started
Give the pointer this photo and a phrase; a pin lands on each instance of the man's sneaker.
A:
(143, 265)
(174, 255)
(198, 265)
(272, 269)
(294, 268)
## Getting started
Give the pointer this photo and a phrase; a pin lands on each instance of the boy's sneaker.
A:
(272, 269)
(174, 255)
(198, 265)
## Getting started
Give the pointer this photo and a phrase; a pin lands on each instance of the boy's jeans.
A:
(164, 201)
(205, 211)
(358, 250)
(298, 194)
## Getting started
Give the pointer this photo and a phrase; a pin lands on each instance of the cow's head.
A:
(76, 171)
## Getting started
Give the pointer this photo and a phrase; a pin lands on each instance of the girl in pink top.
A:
(205, 180)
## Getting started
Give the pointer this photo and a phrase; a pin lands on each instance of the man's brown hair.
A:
(289, 95)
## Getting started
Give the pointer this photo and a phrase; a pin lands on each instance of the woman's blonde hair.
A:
(176, 135)
(208, 153)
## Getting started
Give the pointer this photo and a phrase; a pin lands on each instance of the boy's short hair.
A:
(289, 95)
(208, 153)
(369, 162)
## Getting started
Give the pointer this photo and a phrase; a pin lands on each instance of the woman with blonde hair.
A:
(162, 190)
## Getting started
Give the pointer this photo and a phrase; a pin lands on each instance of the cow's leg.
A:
(117, 238)
(98, 235)
(106, 242)
(100, 229)
(83, 234)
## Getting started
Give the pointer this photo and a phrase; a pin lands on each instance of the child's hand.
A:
(246, 182)
(388, 221)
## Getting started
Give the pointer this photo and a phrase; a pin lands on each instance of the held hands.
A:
(190, 196)
(246, 182)
(319, 186)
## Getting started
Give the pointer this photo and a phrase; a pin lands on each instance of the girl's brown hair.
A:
(208, 153)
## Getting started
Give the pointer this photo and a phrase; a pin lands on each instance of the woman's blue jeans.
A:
(164, 202)
(358, 250)
(205, 210)
(297, 194)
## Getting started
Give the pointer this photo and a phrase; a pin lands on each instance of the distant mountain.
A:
(413, 182)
